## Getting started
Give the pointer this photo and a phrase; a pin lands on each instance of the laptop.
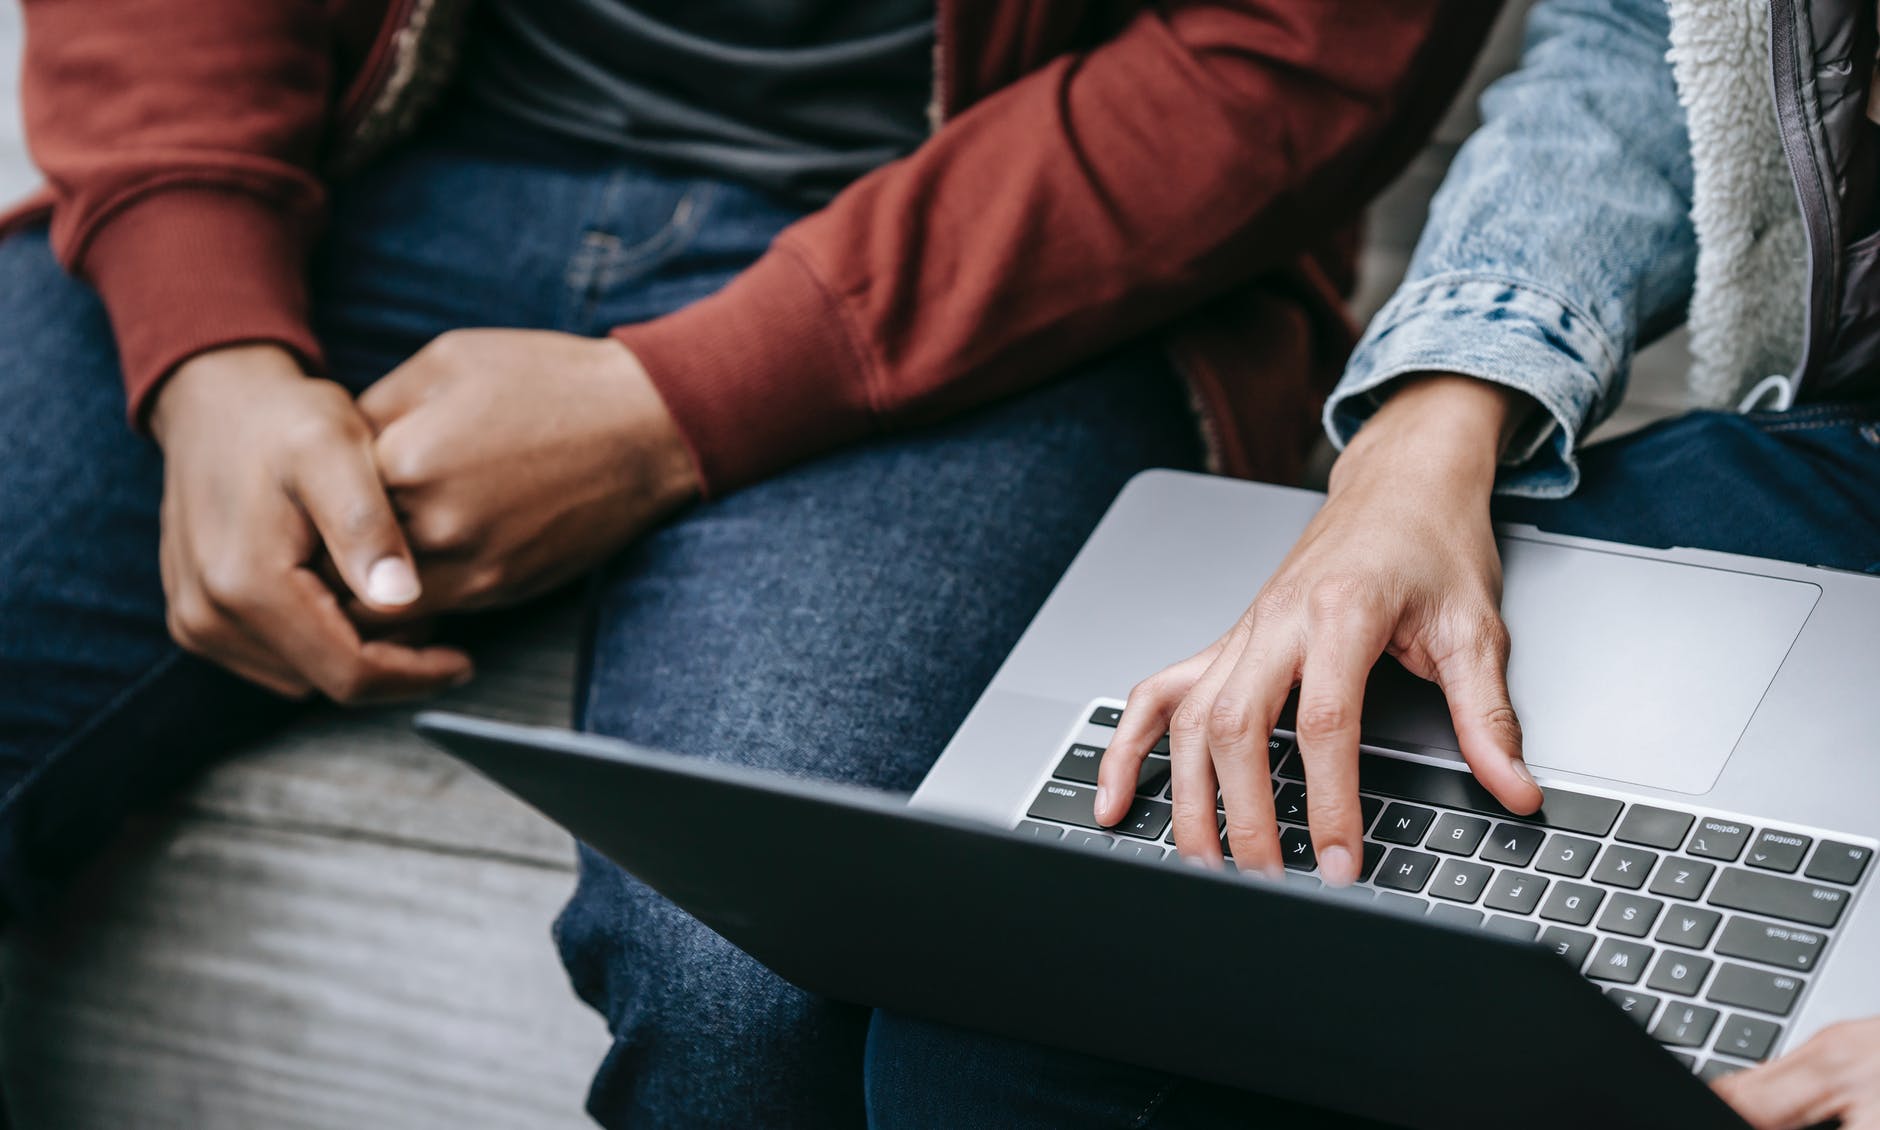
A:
(1678, 909)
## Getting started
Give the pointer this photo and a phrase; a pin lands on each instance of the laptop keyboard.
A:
(1705, 929)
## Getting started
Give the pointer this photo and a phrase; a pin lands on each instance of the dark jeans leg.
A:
(836, 621)
(99, 711)
(1799, 486)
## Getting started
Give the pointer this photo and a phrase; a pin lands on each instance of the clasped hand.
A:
(310, 539)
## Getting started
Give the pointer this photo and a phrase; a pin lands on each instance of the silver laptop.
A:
(1700, 723)
(1703, 725)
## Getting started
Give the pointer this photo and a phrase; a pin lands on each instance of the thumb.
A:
(344, 499)
(1474, 678)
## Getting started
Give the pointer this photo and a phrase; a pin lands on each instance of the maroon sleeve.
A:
(1090, 201)
(177, 137)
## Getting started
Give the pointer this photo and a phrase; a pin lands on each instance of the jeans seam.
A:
(1154, 1104)
(97, 718)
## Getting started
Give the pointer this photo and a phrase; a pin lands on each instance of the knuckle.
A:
(442, 528)
(1190, 718)
(450, 348)
(230, 583)
(1230, 721)
(1336, 596)
(1324, 719)
(1276, 601)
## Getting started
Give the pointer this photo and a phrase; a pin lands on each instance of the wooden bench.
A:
(343, 928)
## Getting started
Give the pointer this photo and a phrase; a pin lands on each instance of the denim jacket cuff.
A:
(1500, 330)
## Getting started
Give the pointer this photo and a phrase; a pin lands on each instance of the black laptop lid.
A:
(853, 895)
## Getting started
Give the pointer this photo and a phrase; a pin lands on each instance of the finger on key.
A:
(1344, 639)
(1474, 678)
(1145, 719)
(1192, 782)
(1244, 712)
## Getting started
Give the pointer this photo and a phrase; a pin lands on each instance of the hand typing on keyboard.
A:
(1401, 559)
(1833, 1077)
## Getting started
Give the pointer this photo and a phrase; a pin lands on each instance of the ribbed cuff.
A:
(1498, 330)
(758, 375)
(185, 270)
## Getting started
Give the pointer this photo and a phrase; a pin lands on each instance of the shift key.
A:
(1066, 804)
(1777, 897)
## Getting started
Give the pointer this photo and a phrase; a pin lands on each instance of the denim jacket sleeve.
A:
(1560, 241)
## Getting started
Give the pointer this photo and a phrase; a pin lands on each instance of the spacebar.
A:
(1450, 788)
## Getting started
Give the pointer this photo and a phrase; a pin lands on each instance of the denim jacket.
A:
(1562, 240)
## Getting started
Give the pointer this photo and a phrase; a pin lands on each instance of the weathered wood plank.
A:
(363, 773)
(225, 976)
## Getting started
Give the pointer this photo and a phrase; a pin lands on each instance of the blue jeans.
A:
(1800, 486)
(837, 620)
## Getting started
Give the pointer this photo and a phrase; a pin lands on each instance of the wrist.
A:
(664, 464)
(213, 378)
(1437, 427)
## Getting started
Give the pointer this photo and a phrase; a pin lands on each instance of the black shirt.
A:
(798, 97)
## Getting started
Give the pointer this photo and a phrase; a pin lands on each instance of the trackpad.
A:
(1640, 671)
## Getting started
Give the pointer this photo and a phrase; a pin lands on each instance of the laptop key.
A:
(1520, 929)
(1631, 915)
(1152, 776)
(1373, 855)
(1405, 870)
(1455, 915)
(1289, 807)
(1456, 835)
(1680, 878)
(1067, 804)
(1654, 827)
(1639, 1006)
(1450, 788)
(1516, 892)
(1567, 855)
(1079, 764)
(1161, 746)
(1402, 904)
(1778, 851)
(1295, 850)
(1715, 1069)
(1685, 1025)
(1680, 973)
(1106, 716)
(1460, 880)
(1404, 824)
(1749, 1037)
(1368, 808)
(1619, 960)
(1838, 862)
(1513, 844)
(1719, 839)
(1572, 945)
(1136, 849)
(1793, 899)
(1759, 989)
(1095, 841)
(1621, 866)
(1771, 943)
(1689, 926)
(1572, 903)
(1039, 831)
(1146, 819)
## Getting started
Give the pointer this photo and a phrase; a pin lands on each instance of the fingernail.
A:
(1103, 798)
(1521, 771)
(1335, 866)
(391, 582)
